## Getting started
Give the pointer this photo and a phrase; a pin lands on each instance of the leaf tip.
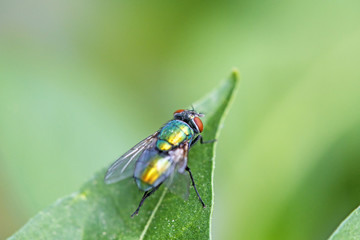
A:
(235, 75)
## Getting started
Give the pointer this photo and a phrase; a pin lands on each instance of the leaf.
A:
(349, 228)
(100, 211)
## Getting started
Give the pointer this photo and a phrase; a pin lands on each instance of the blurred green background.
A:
(83, 81)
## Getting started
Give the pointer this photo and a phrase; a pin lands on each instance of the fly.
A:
(161, 155)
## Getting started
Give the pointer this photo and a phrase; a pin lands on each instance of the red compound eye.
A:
(179, 111)
(199, 124)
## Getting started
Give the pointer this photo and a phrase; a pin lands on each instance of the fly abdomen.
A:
(152, 168)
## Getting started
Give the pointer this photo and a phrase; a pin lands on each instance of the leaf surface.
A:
(350, 228)
(100, 211)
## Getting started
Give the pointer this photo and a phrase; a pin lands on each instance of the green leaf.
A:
(350, 228)
(100, 211)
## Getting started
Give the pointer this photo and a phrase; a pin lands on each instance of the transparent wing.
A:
(179, 184)
(179, 156)
(179, 181)
(124, 166)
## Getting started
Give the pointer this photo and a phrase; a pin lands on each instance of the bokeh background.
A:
(82, 81)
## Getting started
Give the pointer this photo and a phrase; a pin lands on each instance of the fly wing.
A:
(179, 184)
(179, 181)
(180, 156)
(124, 166)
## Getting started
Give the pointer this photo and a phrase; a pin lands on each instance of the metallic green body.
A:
(173, 134)
(154, 166)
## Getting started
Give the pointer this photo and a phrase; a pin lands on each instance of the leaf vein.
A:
(152, 215)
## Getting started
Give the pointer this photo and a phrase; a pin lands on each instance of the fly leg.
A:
(145, 196)
(193, 183)
(200, 138)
